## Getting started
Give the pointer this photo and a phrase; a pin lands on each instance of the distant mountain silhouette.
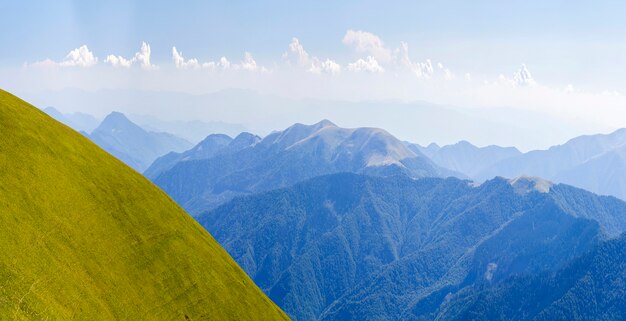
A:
(191, 130)
(211, 146)
(132, 144)
(596, 163)
(466, 158)
(284, 158)
(78, 121)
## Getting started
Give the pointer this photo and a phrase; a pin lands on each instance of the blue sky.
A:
(579, 42)
(562, 59)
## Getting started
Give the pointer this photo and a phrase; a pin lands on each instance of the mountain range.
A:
(133, 145)
(78, 121)
(193, 130)
(84, 237)
(463, 157)
(556, 160)
(417, 121)
(200, 181)
(594, 162)
(212, 145)
(353, 224)
(351, 247)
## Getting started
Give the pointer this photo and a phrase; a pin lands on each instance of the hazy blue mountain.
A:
(132, 144)
(287, 157)
(78, 121)
(466, 158)
(594, 162)
(351, 247)
(592, 287)
(211, 146)
(603, 174)
(416, 121)
(193, 130)
(429, 150)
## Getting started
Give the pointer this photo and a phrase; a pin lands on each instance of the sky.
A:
(563, 59)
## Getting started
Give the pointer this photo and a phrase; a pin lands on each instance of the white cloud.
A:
(118, 61)
(142, 57)
(248, 63)
(426, 68)
(223, 63)
(369, 43)
(304, 60)
(420, 69)
(614, 93)
(297, 50)
(523, 77)
(328, 66)
(79, 57)
(447, 74)
(368, 64)
(399, 58)
(181, 63)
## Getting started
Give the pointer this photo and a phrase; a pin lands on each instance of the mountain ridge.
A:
(132, 144)
(287, 157)
(594, 162)
(212, 145)
(466, 158)
(78, 121)
(351, 247)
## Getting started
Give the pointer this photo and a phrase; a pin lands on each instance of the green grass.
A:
(84, 237)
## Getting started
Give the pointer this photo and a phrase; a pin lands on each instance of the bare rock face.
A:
(526, 184)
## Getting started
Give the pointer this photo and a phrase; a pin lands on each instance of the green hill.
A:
(84, 237)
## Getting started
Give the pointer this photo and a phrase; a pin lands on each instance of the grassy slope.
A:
(84, 237)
